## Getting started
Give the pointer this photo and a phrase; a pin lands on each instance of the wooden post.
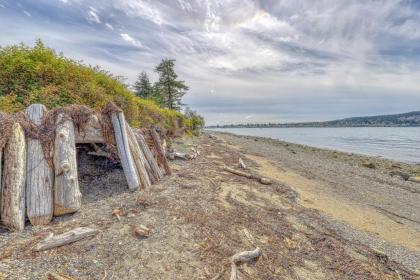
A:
(143, 167)
(13, 183)
(160, 151)
(127, 162)
(39, 175)
(149, 156)
(67, 196)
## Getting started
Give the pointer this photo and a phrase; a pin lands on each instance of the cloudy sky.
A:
(245, 61)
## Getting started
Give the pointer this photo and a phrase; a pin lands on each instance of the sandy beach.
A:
(326, 215)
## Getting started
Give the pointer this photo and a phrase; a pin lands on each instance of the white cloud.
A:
(93, 16)
(131, 40)
(108, 25)
(27, 13)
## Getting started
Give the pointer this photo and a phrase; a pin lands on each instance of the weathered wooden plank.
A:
(91, 133)
(13, 183)
(71, 236)
(67, 196)
(39, 175)
(160, 150)
(126, 158)
(143, 167)
(149, 155)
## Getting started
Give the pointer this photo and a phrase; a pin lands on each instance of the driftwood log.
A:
(243, 257)
(142, 166)
(262, 180)
(124, 152)
(160, 150)
(71, 236)
(91, 132)
(13, 183)
(39, 175)
(67, 196)
(157, 172)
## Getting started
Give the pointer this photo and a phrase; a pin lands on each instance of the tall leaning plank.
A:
(143, 168)
(39, 175)
(149, 155)
(160, 150)
(13, 183)
(126, 158)
(67, 196)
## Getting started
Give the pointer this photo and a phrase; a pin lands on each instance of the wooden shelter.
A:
(38, 165)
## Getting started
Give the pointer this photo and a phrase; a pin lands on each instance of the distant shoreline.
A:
(411, 119)
(304, 126)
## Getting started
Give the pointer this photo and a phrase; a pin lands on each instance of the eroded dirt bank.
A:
(325, 217)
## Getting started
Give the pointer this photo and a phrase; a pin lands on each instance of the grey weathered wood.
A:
(71, 236)
(126, 158)
(67, 196)
(91, 133)
(160, 150)
(13, 183)
(149, 156)
(39, 175)
(243, 257)
(143, 167)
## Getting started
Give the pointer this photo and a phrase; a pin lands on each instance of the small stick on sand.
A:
(242, 164)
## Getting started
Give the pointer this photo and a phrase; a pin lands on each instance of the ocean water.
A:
(397, 143)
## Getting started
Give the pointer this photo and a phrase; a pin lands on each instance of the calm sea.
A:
(397, 143)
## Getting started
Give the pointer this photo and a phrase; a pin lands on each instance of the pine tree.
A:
(143, 87)
(168, 88)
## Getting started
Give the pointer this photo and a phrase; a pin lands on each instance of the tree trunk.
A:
(13, 184)
(149, 156)
(160, 151)
(142, 166)
(39, 175)
(126, 158)
(67, 196)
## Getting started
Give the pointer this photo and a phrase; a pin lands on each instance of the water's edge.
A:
(398, 144)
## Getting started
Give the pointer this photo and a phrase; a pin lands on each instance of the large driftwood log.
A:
(67, 196)
(39, 175)
(126, 158)
(142, 166)
(91, 132)
(262, 180)
(149, 156)
(71, 236)
(13, 183)
(160, 150)
(243, 257)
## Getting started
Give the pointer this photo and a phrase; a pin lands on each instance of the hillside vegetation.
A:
(40, 75)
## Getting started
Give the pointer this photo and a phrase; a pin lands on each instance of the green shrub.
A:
(40, 75)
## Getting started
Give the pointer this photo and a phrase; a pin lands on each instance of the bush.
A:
(40, 75)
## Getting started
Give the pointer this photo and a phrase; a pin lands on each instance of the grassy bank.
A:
(40, 75)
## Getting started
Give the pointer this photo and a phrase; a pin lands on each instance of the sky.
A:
(245, 61)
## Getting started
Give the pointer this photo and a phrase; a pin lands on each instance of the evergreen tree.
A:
(168, 88)
(142, 87)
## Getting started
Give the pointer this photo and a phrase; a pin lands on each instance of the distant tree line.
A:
(396, 120)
